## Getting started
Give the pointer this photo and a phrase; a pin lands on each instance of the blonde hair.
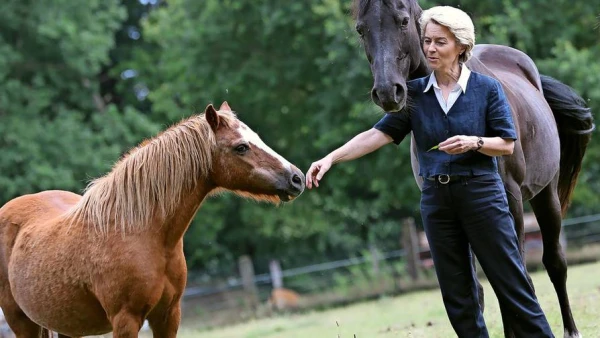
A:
(458, 22)
(150, 179)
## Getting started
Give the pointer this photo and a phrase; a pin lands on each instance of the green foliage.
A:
(55, 131)
(81, 82)
(293, 72)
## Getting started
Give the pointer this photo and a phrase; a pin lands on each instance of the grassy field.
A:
(419, 314)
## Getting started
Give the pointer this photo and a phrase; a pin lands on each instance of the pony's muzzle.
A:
(295, 185)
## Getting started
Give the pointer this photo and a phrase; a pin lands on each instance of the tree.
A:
(56, 130)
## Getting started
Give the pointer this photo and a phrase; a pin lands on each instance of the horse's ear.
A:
(225, 106)
(212, 117)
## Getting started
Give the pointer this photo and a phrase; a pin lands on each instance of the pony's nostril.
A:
(296, 179)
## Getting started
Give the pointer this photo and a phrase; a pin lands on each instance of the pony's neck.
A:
(158, 181)
(174, 227)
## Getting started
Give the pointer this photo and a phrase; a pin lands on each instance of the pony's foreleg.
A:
(126, 325)
(547, 209)
(164, 321)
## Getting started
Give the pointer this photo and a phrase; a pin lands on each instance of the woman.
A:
(461, 121)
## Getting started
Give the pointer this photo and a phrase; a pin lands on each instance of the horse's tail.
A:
(47, 333)
(575, 125)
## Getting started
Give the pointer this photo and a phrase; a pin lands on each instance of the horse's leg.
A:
(547, 209)
(164, 320)
(477, 282)
(19, 323)
(515, 204)
(126, 324)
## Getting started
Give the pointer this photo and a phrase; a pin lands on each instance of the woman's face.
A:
(440, 47)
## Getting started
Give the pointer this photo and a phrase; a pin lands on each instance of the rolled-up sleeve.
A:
(396, 125)
(499, 117)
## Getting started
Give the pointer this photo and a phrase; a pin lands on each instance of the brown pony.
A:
(554, 125)
(108, 260)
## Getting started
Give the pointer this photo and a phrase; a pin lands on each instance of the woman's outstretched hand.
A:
(316, 171)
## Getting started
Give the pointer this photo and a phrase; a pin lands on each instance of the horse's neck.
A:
(421, 71)
(174, 227)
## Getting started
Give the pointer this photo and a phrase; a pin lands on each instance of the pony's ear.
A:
(225, 106)
(212, 117)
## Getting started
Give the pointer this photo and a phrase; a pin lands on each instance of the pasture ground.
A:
(418, 314)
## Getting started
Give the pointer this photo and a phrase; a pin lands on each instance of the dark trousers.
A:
(473, 213)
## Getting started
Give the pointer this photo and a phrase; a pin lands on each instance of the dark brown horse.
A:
(108, 260)
(553, 124)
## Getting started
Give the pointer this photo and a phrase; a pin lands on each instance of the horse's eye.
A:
(242, 149)
(404, 22)
(360, 29)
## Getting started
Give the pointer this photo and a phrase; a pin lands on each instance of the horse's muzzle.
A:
(390, 97)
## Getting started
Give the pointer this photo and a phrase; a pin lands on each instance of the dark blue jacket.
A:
(482, 110)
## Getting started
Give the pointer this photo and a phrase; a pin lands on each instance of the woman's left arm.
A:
(491, 146)
(499, 124)
(495, 146)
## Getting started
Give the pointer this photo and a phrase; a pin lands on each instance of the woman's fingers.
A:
(455, 145)
(310, 175)
(315, 173)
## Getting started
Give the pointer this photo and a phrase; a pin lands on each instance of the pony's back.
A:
(47, 204)
(26, 210)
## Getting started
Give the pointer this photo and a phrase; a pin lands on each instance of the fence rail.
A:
(575, 230)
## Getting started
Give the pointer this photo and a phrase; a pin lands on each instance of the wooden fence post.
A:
(276, 274)
(247, 274)
(411, 248)
(375, 257)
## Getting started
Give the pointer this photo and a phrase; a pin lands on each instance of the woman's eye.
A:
(242, 148)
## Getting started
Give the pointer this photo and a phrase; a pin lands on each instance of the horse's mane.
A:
(149, 180)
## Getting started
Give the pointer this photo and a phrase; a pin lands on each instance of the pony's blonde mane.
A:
(149, 180)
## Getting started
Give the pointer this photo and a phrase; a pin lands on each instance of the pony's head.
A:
(390, 33)
(214, 150)
(243, 163)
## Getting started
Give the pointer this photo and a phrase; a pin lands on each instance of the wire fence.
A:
(339, 274)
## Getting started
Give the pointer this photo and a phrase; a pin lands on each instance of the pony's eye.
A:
(242, 149)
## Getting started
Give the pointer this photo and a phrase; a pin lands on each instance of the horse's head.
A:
(389, 30)
(243, 163)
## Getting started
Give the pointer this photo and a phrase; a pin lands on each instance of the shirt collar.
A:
(462, 80)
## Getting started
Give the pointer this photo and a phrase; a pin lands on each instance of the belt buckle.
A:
(444, 179)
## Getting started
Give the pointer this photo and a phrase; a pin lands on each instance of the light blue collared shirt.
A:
(461, 85)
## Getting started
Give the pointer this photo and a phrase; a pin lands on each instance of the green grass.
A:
(420, 314)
